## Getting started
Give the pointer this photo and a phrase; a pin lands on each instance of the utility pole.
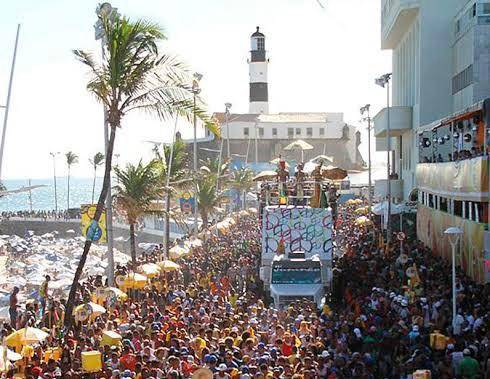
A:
(195, 90)
(365, 109)
(384, 81)
(53, 155)
(7, 105)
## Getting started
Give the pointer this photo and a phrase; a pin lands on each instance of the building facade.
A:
(440, 66)
(259, 136)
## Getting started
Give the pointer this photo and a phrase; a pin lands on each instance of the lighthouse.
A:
(259, 94)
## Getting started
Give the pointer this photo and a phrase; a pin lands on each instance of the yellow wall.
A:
(431, 225)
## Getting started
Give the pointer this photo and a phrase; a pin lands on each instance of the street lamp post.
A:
(384, 81)
(365, 109)
(195, 91)
(106, 10)
(53, 155)
(453, 233)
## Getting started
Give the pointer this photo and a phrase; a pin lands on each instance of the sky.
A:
(321, 60)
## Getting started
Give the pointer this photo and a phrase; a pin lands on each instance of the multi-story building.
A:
(441, 59)
(440, 121)
(260, 136)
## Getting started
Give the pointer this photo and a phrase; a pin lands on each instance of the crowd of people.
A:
(41, 214)
(212, 319)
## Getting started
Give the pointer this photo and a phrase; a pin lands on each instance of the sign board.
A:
(91, 229)
(187, 203)
(401, 236)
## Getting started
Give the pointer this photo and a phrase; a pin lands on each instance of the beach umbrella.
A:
(150, 269)
(102, 293)
(178, 251)
(264, 175)
(361, 211)
(325, 159)
(168, 265)
(11, 355)
(26, 336)
(135, 280)
(363, 221)
(334, 173)
(83, 311)
(299, 145)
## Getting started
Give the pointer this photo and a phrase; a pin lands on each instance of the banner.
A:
(187, 203)
(91, 229)
(297, 229)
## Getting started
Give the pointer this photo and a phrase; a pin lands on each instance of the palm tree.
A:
(71, 159)
(241, 180)
(138, 188)
(133, 75)
(96, 161)
(208, 199)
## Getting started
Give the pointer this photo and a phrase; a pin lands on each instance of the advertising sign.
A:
(91, 229)
(187, 202)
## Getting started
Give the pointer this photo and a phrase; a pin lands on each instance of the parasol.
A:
(363, 221)
(26, 336)
(264, 175)
(334, 173)
(150, 269)
(299, 145)
(178, 251)
(168, 265)
(325, 159)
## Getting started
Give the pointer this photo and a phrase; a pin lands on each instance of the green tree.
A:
(96, 161)
(208, 198)
(133, 75)
(138, 188)
(241, 180)
(71, 159)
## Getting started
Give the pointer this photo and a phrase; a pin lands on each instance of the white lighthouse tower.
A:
(259, 94)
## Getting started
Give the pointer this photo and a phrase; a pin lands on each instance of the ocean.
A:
(81, 191)
(43, 198)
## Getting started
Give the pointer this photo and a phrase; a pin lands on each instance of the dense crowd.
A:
(212, 314)
(41, 214)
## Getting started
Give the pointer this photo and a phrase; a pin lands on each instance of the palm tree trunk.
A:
(68, 192)
(167, 224)
(204, 216)
(98, 213)
(93, 185)
(132, 239)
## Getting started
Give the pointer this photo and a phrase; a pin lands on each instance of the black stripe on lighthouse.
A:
(258, 92)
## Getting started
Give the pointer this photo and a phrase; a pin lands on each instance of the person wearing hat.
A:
(222, 372)
(13, 305)
(469, 366)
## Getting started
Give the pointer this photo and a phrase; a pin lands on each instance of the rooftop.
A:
(283, 117)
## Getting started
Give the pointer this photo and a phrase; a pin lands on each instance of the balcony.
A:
(396, 18)
(382, 144)
(400, 121)
(381, 188)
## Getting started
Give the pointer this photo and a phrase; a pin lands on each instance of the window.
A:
(245, 132)
(261, 132)
(444, 205)
(473, 11)
(290, 132)
(322, 131)
(485, 8)
(298, 131)
(309, 132)
(261, 44)
(458, 26)
(463, 79)
(431, 200)
(458, 208)
(274, 132)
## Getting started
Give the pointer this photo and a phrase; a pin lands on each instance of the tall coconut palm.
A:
(96, 161)
(208, 199)
(138, 188)
(134, 75)
(71, 159)
(242, 181)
